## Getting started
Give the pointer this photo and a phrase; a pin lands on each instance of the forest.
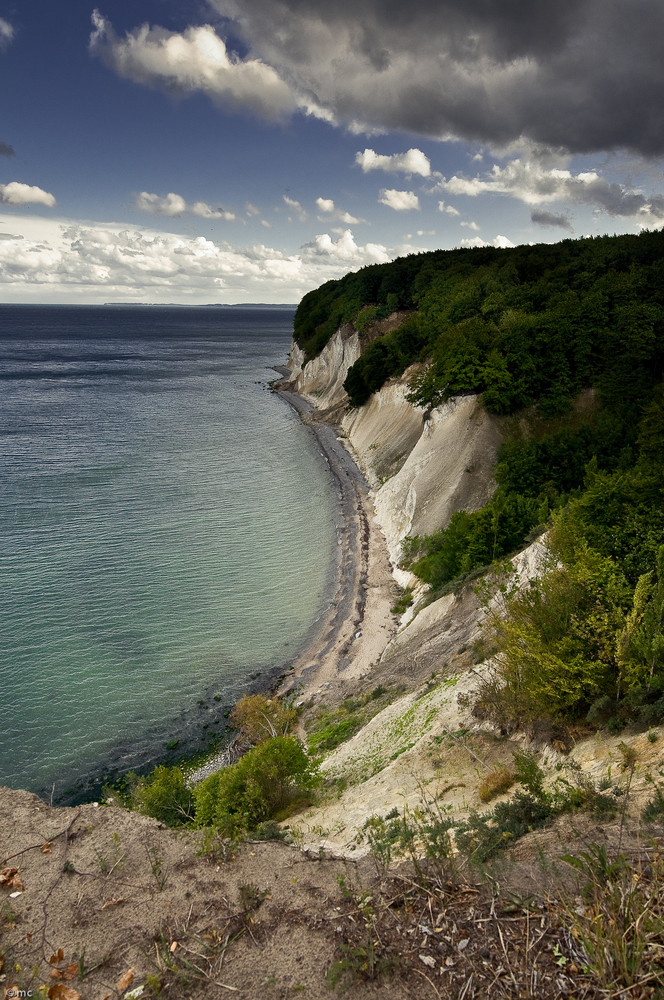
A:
(565, 345)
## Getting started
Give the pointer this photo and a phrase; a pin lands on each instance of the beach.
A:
(354, 630)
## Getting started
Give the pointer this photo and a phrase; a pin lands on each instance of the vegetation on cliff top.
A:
(566, 343)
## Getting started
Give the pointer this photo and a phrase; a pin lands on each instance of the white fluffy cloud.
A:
(501, 242)
(195, 60)
(400, 201)
(16, 193)
(346, 250)
(412, 162)
(448, 209)
(534, 183)
(174, 205)
(296, 208)
(69, 262)
(328, 208)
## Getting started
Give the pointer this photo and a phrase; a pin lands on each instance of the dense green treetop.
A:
(530, 323)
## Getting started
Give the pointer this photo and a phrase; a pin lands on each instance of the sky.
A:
(198, 151)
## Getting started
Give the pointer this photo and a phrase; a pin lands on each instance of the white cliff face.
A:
(295, 360)
(384, 431)
(450, 468)
(422, 470)
(321, 381)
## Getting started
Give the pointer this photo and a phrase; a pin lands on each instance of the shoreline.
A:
(356, 627)
(351, 632)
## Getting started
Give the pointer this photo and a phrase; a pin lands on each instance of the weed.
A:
(251, 896)
(654, 810)
(157, 867)
(334, 727)
(619, 927)
(403, 601)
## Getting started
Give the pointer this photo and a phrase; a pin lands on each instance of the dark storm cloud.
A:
(543, 218)
(583, 75)
(6, 149)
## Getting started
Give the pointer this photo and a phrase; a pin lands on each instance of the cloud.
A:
(533, 183)
(400, 201)
(6, 32)
(297, 208)
(449, 209)
(501, 242)
(327, 206)
(71, 261)
(346, 250)
(412, 162)
(543, 218)
(196, 60)
(174, 204)
(587, 75)
(16, 193)
(6, 149)
(471, 225)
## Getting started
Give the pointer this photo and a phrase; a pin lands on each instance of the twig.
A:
(48, 840)
(430, 983)
(50, 891)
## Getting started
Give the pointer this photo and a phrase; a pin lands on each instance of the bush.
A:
(260, 785)
(258, 718)
(164, 795)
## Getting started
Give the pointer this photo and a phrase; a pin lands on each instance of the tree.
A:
(263, 782)
(641, 641)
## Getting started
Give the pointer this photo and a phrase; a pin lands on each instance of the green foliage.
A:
(474, 540)
(163, 794)
(641, 641)
(260, 785)
(523, 325)
(529, 774)
(557, 650)
(575, 333)
(403, 601)
(335, 726)
(483, 836)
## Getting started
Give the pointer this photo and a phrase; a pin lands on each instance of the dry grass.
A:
(604, 941)
(496, 783)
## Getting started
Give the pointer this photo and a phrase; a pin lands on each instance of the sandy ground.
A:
(357, 626)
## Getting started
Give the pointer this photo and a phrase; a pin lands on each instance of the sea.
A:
(168, 534)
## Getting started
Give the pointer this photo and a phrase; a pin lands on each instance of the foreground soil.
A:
(102, 903)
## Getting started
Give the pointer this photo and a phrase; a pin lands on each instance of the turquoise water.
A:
(167, 531)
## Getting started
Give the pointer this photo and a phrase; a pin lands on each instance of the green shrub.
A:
(331, 734)
(261, 784)
(482, 836)
(163, 794)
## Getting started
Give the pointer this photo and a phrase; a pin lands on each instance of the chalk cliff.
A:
(423, 466)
